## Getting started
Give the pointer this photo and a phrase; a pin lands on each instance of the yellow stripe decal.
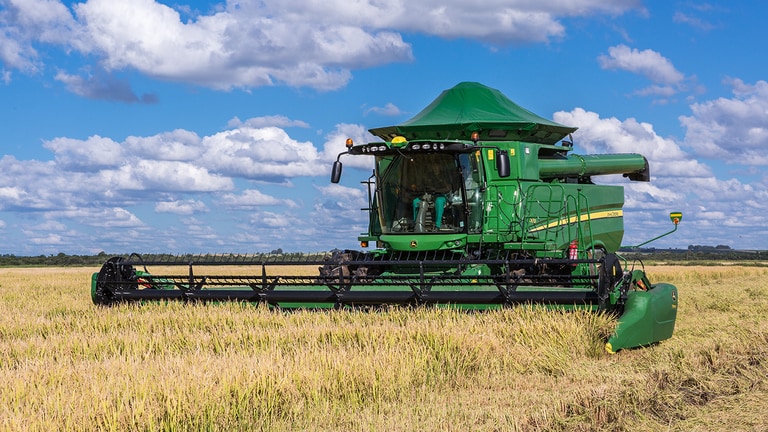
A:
(585, 217)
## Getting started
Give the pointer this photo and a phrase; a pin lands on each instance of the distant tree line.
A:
(59, 260)
(698, 253)
(698, 248)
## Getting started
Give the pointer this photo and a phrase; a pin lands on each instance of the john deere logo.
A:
(413, 243)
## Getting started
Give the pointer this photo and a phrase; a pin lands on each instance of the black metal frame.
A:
(433, 277)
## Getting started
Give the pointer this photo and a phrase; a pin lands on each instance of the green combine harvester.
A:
(475, 203)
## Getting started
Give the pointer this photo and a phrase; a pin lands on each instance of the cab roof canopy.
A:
(470, 107)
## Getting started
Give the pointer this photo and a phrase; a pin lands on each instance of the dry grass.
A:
(66, 364)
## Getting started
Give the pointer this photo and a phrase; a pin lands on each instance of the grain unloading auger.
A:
(475, 203)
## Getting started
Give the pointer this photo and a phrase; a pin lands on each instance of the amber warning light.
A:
(350, 143)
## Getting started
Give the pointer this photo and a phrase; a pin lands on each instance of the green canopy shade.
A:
(470, 107)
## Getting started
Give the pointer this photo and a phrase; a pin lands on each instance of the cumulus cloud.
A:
(152, 175)
(106, 185)
(26, 22)
(109, 217)
(680, 181)
(253, 199)
(15, 55)
(11, 195)
(301, 43)
(389, 109)
(177, 145)
(734, 129)
(647, 63)
(182, 207)
(611, 135)
(259, 153)
(339, 207)
(36, 185)
(274, 220)
(264, 121)
(651, 196)
(100, 169)
(92, 154)
(237, 47)
(667, 80)
(335, 143)
(49, 239)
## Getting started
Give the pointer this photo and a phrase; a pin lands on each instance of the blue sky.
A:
(195, 126)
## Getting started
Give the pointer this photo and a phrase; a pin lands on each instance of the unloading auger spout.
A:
(475, 203)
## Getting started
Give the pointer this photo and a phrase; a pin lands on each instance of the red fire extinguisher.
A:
(573, 250)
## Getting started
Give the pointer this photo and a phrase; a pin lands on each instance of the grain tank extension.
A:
(476, 203)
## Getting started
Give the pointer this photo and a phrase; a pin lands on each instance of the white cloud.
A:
(50, 225)
(680, 182)
(153, 175)
(657, 90)
(14, 54)
(265, 121)
(49, 239)
(250, 44)
(338, 208)
(499, 21)
(734, 130)
(645, 196)
(611, 135)
(648, 63)
(178, 176)
(94, 153)
(259, 153)
(275, 220)
(9, 194)
(238, 47)
(178, 145)
(109, 217)
(100, 182)
(99, 171)
(252, 198)
(339, 191)
(183, 207)
(389, 109)
(335, 143)
(667, 80)
(35, 185)
(25, 22)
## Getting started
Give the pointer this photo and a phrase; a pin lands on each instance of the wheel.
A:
(609, 274)
(111, 277)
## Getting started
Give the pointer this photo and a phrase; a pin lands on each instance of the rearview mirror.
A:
(502, 163)
(336, 172)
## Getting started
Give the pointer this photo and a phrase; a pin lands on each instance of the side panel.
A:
(555, 214)
(649, 317)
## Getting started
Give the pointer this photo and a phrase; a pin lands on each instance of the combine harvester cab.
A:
(475, 203)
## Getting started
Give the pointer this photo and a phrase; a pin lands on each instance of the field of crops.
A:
(66, 364)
